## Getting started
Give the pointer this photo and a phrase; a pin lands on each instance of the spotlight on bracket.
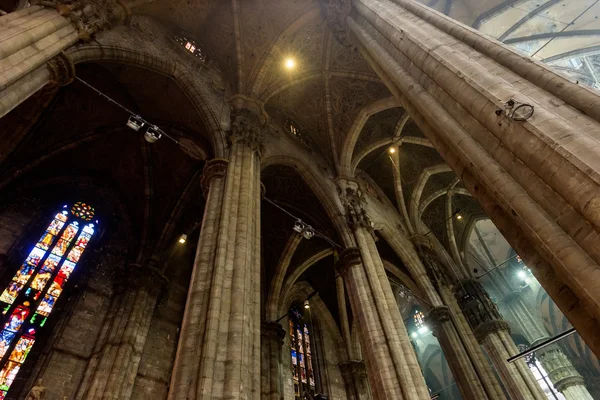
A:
(305, 230)
(152, 134)
(135, 122)
(183, 238)
(306, 304)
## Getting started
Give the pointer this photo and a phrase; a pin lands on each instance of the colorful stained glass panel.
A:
(21, 349)
(75, 254)
(11, 292)
(51, 263)
(83, 211)
(56, 225)
(40, 280)
(16, 319)
(6, 338)
(35, 256)
(8, 374)
(56, 287)
(45, 307)
(67, 269)
(24, 273)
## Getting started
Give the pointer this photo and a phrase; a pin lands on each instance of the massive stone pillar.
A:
(539, 173)
(561, 371)
(111, 372)
(472, 373)
(218, 354)
(494, 334)
(272, 335)
(355, 380)
(391, 363)
(32, 39)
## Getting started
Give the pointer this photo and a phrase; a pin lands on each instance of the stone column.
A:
(473, 377)
(355, 379)
(561, 371)
(32, 37)
(538, 170)
(218, 354)
(494, 334)
(391, 363)
(111, 372)
(272, 335)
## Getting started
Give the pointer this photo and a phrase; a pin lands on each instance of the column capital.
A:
(479, 309)
(273, 331)
(437, 316)
(353, 368)
(148, 277)
(62, 70)
(91, 16)
(353, 201)
(247, 127)
(347, 259)
(215, 168)
(421, 241)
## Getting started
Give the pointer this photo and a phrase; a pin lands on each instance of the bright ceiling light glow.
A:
(522, 275)
(423, 329)
(458, 216)
(392, 150)
(290, 63)
(414, 334)
(182, 238)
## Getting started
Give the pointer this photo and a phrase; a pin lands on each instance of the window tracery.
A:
(303, 375)
(29, 298)
(419, 319)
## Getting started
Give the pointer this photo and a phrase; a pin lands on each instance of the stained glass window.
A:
(29, 298)
(419, 319)
(303, 375)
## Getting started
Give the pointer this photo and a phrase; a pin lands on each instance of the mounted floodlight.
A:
(135, 122)
(305, 230)
(306, 304)
(183, 238)
(309, 232)
(153, 134)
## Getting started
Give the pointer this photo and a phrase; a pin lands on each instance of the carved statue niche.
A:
(37, 392)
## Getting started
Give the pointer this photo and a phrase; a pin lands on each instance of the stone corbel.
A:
(347, 259)
(436, 317)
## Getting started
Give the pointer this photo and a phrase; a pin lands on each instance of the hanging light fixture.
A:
(152, 134)
(183, 238)
(135, 122)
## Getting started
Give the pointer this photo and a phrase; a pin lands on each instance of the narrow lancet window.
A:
(29, 298)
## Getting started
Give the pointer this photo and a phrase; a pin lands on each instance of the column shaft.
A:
(272, 336)
(219, 349)
(551, 192)
(110, 374)
(355, 380)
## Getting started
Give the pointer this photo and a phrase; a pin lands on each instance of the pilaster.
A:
(272, 335)
(111, 372)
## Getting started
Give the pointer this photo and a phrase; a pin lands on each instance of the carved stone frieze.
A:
(353, 369)
(62, 70)
(215, 168)
(347, 259)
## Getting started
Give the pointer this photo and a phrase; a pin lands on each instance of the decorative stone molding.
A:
(144, 276)
(273, 331)
(215, 168)
(353, 201)
(353, 369)
(435, 269)
(337, 11)
(62, 70)
(421, 241)
(347, 259)
(437, 316)
(90, 16)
